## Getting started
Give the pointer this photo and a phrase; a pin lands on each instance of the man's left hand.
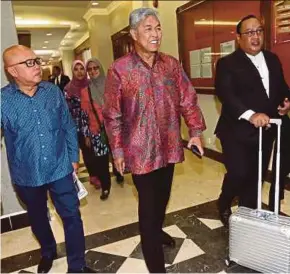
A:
(283, 110)
(196, 141)
(76, 167)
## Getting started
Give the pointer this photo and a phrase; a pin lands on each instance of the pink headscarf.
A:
(74, 87)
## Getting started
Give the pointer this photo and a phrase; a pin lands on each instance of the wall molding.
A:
(104, 11)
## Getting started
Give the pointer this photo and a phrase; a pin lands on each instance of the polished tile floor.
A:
(111, 228)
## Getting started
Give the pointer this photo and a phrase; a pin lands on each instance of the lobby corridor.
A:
(111, 228)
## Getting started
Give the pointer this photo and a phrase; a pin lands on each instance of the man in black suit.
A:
(58, 78)
(251, 87)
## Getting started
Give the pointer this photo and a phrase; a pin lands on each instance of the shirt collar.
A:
(255, 58)
(136, 58)
(15, 87)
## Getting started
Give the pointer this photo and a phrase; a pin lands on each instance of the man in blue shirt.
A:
(42, 151)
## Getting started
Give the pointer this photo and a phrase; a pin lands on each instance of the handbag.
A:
(81, 190)
(104, 137)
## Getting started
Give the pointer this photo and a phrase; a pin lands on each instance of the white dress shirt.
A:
(260, 63)
(58, 77)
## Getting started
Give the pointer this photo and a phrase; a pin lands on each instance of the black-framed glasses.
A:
(251, 33)
(30, 62)
(93, 68)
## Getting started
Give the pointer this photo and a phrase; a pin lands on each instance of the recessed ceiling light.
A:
(65, 23)
(28, 22)
(49, 34)
(69, 36)
(46, 42)
(95, 3)
(77, 26)
(44, 47)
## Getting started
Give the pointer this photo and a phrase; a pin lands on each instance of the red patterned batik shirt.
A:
(142, 111)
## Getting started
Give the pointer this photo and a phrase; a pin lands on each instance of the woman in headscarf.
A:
(72, 93)
(93, 125)
(97, 86)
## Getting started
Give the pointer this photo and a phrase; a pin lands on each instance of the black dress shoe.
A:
(105, 195)
(86, 269)
(225, 216)
(45, 264)
(119, 178)
(224, 212)
(167, 240)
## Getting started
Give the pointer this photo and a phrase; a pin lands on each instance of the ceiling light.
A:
(69, 36)
(32, 22)
(49, 34)
(42, 52)
(95, 3)
(46, 42)
(77, 26)
(18, 18)
(65, 23)
(44, 47)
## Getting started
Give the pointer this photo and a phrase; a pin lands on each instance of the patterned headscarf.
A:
(74, 87)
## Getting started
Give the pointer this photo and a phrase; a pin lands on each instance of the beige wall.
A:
(67, 58)
(119, 18)
(9, 201)
(100, 39)
(167, 14)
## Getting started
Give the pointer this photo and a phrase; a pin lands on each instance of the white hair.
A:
(136, 16)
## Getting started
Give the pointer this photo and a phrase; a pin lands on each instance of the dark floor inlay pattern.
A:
(104, 263)
(200, 249)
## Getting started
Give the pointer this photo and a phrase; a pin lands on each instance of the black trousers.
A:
(153, 191)
(284, 165)
(241, 163)
(96, 165)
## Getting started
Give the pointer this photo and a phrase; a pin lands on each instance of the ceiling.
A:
(62, 19)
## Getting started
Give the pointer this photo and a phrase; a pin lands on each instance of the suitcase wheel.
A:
(228, 262)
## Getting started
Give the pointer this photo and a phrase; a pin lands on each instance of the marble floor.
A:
(111, 228)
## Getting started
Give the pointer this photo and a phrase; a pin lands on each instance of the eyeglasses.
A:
(30, 62)
(93, 68)
(251, 33)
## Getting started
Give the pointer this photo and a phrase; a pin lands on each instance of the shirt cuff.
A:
(74, 157)
(118, 153)
(247, 115)
(195, 133)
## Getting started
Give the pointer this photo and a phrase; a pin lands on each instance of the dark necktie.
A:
(57, 81)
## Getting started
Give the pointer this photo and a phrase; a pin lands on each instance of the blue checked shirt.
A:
(39, 133)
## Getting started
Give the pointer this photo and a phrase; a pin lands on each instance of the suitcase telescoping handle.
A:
(278, 122)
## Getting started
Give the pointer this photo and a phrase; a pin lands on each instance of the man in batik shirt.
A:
(146, 92)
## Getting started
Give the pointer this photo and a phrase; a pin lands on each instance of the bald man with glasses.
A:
(42, 151)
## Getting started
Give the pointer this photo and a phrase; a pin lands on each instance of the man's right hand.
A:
(259, 119)
(120, 165)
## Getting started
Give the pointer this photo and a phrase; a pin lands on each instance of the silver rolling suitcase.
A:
(260, 239)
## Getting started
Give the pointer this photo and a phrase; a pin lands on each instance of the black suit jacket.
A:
(64, 80)
(239, 87)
